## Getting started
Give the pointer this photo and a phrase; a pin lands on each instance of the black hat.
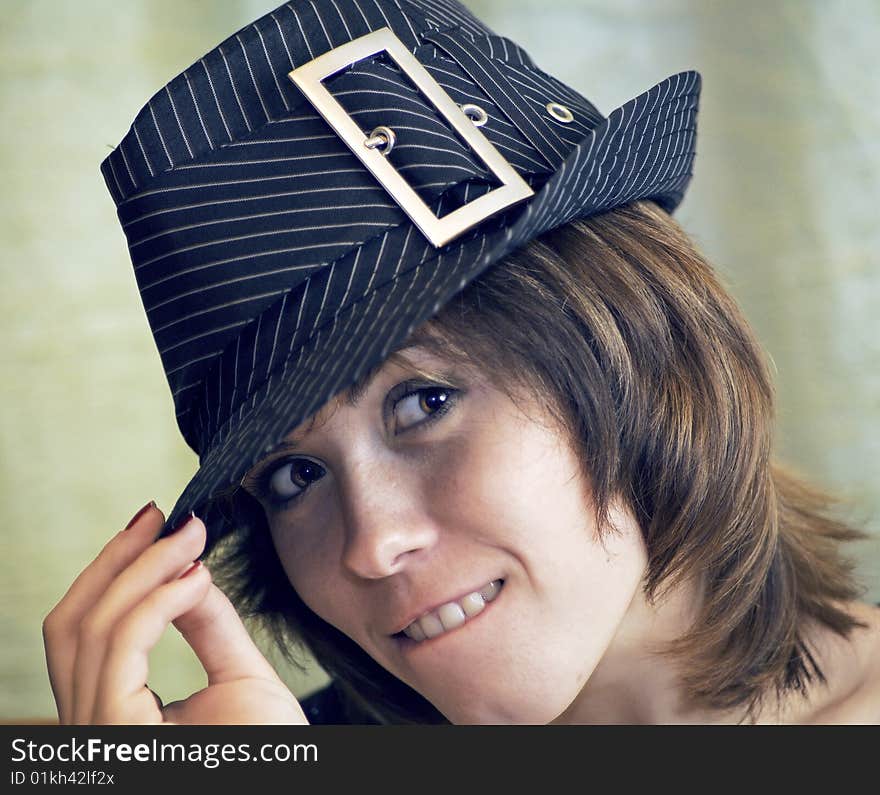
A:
(321, 183)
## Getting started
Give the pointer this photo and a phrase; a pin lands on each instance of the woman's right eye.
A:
(289, 481)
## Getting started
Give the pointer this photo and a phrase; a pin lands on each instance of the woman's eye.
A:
(291, 479)
(422, 405)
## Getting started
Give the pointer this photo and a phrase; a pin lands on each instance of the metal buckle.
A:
(439, 231)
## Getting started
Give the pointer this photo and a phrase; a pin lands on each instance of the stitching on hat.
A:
(464, 19)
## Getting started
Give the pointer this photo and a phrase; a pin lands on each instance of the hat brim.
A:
(644, 150)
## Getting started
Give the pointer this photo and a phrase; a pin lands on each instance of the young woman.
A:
(551, 499)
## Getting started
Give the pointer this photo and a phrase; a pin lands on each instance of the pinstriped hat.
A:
(319, 184)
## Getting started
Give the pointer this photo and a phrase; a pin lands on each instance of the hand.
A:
(98, 637)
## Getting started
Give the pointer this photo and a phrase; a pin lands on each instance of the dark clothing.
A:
(329, 706)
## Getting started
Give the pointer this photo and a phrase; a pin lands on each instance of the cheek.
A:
(308, 564)
(481, 470)
(523, 491)
(512, 482)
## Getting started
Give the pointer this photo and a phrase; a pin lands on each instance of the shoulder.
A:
(852, 670)
(867, 651)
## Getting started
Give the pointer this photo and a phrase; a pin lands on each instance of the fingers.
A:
(61, 625)
(99, 635)
(120, 694)
(209, 623)
(214, 630)
(160, 563)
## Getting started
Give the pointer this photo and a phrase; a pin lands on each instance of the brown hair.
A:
(623, 329)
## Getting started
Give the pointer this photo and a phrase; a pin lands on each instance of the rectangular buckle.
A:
(439, 231)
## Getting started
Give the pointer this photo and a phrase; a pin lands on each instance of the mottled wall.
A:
(784, 201)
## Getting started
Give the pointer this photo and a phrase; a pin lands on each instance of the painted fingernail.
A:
(183, 521)
(141, 512)
(194, 567)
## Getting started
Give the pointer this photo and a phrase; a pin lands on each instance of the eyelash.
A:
(263, 480)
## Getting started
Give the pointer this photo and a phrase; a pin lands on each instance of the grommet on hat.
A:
(319, 184)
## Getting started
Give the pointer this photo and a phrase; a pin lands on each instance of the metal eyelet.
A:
(381, 136)
(559, 112)
(475, 113)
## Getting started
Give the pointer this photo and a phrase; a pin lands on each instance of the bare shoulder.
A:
(868, 642)
(852, 669)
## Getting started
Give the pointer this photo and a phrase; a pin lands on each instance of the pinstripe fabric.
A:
(273, 267)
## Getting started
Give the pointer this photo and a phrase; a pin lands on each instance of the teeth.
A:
(472, 604)
(452, 614)
(431, 625)
(415, 631)
(491, 590)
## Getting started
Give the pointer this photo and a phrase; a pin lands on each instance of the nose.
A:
(386, 519)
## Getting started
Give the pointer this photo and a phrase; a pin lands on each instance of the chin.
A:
(484, 713)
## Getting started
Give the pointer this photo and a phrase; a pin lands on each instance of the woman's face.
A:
(420, 497)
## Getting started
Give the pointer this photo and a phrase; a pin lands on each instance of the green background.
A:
(784, 201)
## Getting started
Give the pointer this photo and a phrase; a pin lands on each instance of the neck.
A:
(635, 682)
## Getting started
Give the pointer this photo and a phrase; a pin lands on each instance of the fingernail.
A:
(195, 565)
(183, 521)
(150, 504)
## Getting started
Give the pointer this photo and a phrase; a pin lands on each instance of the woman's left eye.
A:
(423, 405)
(298, 473)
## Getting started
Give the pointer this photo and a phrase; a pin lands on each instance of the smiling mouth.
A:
(450, 616)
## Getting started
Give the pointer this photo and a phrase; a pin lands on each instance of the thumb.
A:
(220, 640)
